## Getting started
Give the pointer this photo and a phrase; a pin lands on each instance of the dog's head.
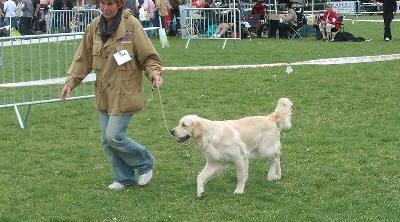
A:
(189, 127)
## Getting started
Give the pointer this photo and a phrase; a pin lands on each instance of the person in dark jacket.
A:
(62, 20)
(174, 13)
(26, 17)
(389, 10)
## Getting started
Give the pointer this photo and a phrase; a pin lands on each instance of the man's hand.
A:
(65, 91)
(157, 81)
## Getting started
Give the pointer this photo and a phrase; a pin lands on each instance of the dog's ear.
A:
(197, 129)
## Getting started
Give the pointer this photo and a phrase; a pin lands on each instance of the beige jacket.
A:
(161, 7)
(119, 88)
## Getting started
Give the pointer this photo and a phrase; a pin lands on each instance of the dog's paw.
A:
(237, 191)
(273, 177)
(216, 156)
(200, 195)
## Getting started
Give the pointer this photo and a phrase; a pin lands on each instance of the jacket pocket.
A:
(97, 63)
(101, 97)
(132, 96)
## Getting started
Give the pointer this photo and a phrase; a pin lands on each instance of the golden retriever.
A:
(233, 141)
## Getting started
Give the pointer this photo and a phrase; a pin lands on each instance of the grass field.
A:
(340, 160)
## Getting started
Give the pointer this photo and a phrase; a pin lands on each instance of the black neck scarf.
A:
(107, 31)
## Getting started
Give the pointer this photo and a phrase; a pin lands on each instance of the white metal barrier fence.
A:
(33, 69)
(201, 23)
(65, 21)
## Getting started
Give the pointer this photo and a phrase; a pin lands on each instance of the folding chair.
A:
(254, 21)
(295, 30)
(340, 22)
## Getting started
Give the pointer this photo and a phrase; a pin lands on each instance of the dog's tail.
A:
(283, 113)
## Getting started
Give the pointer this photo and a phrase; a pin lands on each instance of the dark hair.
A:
(284, 2)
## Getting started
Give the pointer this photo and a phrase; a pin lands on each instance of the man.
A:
(287, 21)
(389, 10)
(9, 10)
(36, 15)
(26, 17)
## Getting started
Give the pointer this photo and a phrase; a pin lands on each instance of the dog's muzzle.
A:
(180, 139)
(183, 139)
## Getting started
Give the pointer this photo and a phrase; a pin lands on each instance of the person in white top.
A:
(9, 10)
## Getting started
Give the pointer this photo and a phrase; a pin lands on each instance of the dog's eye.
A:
(184, 125)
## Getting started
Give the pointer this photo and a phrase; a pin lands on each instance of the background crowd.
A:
(36, 17)
(30, 16)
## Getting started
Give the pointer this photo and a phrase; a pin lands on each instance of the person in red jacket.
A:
(199, 3)
(258, 9)
(328, 22)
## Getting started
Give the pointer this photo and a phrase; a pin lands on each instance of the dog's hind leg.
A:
(242, 173)
(274, 172)
(278, 169)
(210, 170)
(272, 151)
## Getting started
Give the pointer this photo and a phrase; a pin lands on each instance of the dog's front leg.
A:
(209, 171)
(200, 185)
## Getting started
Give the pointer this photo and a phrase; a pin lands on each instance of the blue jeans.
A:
(13, 23)
(124, 154)
(157, 18)
(147, 24)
